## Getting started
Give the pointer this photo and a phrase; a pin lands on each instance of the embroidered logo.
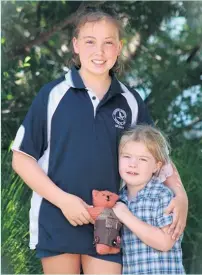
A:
(119, 117)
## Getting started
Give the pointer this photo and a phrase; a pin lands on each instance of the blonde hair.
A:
(95, 14)
(152, 138)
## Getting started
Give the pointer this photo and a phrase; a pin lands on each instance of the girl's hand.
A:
(75, 210)
(179, 207)
(120, 210)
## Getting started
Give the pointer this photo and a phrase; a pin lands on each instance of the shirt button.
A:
(94, 98)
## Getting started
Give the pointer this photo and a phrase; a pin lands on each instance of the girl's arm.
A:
(178, 205)
(31, 173)
(155, 237)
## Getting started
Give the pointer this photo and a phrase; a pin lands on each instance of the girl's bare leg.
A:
(93, 265)
(62, 264)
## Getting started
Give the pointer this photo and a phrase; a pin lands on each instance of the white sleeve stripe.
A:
(132, 102)
(55, 97)
(18, 141)
(19, 138)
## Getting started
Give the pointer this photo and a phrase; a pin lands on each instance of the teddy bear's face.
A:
(104, 198)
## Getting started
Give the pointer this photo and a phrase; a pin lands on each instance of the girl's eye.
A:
(126, 157)
(109, 43)
(143, 159)
(89, 42)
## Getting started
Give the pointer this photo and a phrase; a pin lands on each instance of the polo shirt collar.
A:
(74, 80)
(115, 87)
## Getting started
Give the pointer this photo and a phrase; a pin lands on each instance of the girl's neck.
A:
(98, 84)
(133, 190)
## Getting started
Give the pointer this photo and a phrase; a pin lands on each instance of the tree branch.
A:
(193, 53)
(43, 37)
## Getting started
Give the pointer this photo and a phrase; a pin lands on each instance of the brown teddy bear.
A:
(107, 226)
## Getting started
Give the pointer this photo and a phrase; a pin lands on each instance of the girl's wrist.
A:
(62, 199)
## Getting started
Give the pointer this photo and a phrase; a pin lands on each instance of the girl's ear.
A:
(158, 167)
(120, 47)
(75, 45)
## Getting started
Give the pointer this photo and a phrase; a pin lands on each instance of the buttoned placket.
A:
(97, 103)
(94, 99)
(74, 80)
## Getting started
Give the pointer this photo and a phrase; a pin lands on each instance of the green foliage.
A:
(16, 256)
(188, 158)
(162, 59)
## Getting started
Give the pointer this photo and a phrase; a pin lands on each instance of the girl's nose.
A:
(100, 48)
(133, 162)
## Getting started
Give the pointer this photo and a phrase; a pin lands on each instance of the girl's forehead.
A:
(101, 27)
(137, 147)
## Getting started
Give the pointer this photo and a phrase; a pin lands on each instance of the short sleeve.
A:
(165, 172)
(163, 219)
(31, 137)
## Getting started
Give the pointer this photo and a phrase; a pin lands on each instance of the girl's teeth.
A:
(132, 173)
(98, 62)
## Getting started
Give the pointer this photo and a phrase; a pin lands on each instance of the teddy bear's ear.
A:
(95, 192)
(114, 197)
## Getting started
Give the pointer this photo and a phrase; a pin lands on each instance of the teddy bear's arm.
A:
(95, 211)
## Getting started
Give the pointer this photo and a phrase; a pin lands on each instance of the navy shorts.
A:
(116, 258)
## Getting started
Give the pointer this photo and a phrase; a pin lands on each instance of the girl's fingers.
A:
(86, 213)
(92, 221)
(177, 232)
(88, 216)
(79, 221)
(73, 222)
(174, 223)
(170, 208)
(81, 215)
(84, 219)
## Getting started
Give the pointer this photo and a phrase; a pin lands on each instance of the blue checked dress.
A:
(148, 206)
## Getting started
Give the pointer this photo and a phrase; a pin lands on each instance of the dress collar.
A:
(140, 194)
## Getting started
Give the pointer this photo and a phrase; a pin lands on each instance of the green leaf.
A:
(6, 74)
(3, 40)
(9, 149)
(26, 65)
(27, 58)
(9, 96)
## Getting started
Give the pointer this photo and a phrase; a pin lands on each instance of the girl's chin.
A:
(99, 71)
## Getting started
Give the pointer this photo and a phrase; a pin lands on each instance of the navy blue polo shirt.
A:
(74, 138)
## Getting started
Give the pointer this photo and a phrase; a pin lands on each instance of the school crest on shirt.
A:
(119, 116)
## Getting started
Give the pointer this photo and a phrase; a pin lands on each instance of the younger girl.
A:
(68, 145)
(147, 246)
